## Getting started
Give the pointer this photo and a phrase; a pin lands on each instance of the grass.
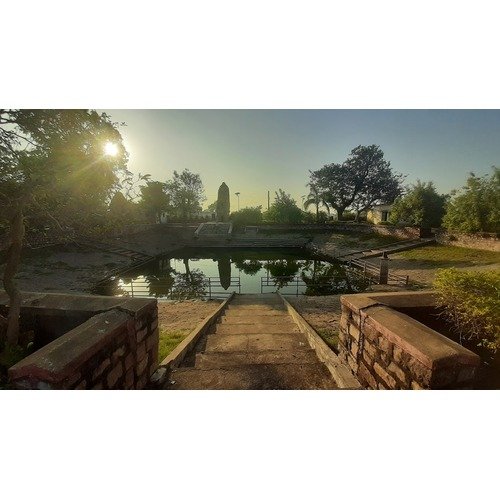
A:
(169, 340)
(443, 255)
(331, 337)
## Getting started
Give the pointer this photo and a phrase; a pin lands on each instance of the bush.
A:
(247, 216)
(471, 303)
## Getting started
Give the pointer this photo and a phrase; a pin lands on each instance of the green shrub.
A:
(249, 216)
(471, 302)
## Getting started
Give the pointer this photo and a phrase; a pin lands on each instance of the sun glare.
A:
(110, 149)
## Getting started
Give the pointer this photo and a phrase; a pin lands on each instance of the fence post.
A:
(384, 269)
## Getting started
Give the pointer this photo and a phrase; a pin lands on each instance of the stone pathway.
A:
(388, 249)
(255, 345)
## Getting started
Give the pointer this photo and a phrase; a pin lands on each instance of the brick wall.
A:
(387, 349)
(115, 348)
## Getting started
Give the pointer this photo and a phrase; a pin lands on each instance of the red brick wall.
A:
(116, 348)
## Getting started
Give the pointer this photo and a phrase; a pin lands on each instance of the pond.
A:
(216, 273)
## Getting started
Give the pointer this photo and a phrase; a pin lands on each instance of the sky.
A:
(254, 151)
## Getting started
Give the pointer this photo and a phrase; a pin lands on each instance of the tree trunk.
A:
(16, 235)
(317, 213)
(340, 212)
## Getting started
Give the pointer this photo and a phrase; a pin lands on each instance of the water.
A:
(216, 273)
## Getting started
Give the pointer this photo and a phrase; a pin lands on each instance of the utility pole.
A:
(238, 195)
(268, 200)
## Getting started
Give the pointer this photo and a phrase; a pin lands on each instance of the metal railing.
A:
(212, 287)
(372, 272)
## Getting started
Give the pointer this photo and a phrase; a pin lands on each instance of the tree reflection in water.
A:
(249, 267)
(161, 281)
(323, 278)
(189, 285)
(283, 271)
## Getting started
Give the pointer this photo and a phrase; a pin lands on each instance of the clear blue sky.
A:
(258, 150)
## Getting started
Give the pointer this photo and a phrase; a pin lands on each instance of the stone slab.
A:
(253, 377)
(255, 342)
(217, 360)
(238, 329)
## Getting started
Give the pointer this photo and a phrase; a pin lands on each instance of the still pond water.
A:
(215, 273)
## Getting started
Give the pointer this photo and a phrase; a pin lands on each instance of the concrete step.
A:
(265, 376)
(237, 311)
(287, 326)
(255, 308)
(220, 360)
(245, 319)
(246, 342)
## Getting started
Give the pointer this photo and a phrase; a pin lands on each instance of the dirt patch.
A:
(322, 313)
(335, 244)
(186, 314)
(177, 319)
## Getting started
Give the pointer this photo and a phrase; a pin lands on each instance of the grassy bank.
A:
(437, 255)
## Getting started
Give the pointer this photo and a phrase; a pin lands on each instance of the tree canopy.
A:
(284, 209)
(476, 207)
(363, 180)
(153, 199)
(186, 193)
(421, 206)
(53, 165)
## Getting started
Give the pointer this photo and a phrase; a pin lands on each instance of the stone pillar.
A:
(223, 203)
(384, 269)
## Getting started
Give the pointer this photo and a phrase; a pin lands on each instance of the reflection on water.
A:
(207, 273)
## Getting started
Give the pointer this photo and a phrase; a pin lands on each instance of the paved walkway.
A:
(255, 345)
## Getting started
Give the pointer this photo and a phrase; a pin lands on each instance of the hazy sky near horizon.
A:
(254, 151)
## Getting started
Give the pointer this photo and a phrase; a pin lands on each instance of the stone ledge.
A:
(70, 303)
(58, 359)
(426, 345)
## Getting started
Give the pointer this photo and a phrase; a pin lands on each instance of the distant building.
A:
(379, 213)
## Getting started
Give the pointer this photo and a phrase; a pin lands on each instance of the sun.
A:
(110, 149)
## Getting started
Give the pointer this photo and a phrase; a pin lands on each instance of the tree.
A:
(363, 180)
(52, 162)
(247, 216)
(477, 206)
(315, 198)
(421, 206)
(154, 200)
(284, 209)
(186, 193)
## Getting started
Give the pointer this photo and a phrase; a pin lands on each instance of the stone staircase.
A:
(255, 345)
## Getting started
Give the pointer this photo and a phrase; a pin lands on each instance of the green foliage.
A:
(247, 216)
(186, 194)
(447, 255)
(169, 340)
(154, 200)
(477, 207)
(283, 210)
(421, 206)
(316, 198)
(364, 179)
(471, 302)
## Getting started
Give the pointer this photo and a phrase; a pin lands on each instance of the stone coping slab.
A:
(68, 303)
(58, 359)
(428, 346)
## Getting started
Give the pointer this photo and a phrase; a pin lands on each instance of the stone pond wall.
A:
(112, 343)
(387, 349)
(480, 241)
